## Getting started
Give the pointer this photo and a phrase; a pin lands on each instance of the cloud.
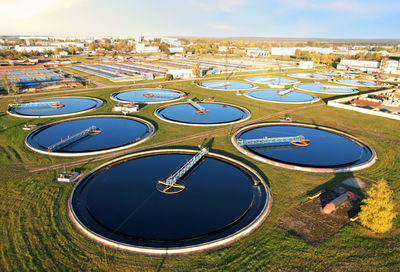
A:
(355, 7)
(22, 9)
(219, 5)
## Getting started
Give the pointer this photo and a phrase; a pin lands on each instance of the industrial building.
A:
(256, 52)
(290, 51)
(387, 66)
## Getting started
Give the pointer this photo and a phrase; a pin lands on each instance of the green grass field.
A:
(36, 235)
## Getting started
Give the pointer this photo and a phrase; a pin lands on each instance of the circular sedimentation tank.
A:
(147, 96)
(213, 114)
(282, 96)
(89, 135)
(118, 204)
(55, 107)
(326, 89)
(330, 73)
(310, 76)
(227, 85)
(355, 82)
(326, 149)
(272, 80)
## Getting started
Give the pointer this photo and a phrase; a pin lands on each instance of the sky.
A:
(350, 19)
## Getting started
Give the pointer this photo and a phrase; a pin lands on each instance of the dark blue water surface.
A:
(116, 131)
(218, 113)
(121, 202)
(273, 95)
(137, 96)
(72, 105)
(326, 149)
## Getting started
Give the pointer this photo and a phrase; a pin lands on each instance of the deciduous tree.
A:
(378, 213)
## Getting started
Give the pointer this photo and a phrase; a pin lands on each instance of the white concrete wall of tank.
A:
(280, 102)
(80, 154)
(355, 85)
(182, 95)
(338, 103)
(60, 115)
(367, 164)
(322, 92)
(173, 250)
(266, 83)
(204, 125)
(252, 88)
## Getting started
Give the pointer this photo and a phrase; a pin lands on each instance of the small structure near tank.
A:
(68, 176)
(331, 206)
(129, 108)
(28, 126)
(286, 119)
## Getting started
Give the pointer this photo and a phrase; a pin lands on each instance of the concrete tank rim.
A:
(367, 164)
(295, 81)
(100, 101)
(326, 93)
(279, 102)
(152, 131)
(182, 95)
(199, 84)
(203, 125)
(221, 242)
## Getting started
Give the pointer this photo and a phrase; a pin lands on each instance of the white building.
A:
(256, 52)
(176, 49)
(223, 48)
(181, 73)
(171, 41)
(41, 49)
(362, 65)
(389, 66)
(306, 64)
(67, 44)
(142, 48)
(289, 51)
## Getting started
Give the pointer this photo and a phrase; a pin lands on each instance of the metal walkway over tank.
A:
(72, 139)
(294, 140)
(197, 106)
(161, 94)
(173, 184)
(283, 92)
(34, 104)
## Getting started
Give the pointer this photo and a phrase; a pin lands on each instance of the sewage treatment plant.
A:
(200, 164)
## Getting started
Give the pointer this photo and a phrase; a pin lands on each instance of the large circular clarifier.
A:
(272, 80)
(328, 150)
(358, 83)
(326, 89)
(147, 96)
(54, 107)
(310, 76)
(202, 114)
(282, 96)
(89, 135)
(118, 203)
(227, 85)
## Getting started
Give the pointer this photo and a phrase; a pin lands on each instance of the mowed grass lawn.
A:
(36, 235)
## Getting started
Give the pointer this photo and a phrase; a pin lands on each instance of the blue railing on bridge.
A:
(266, 140)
